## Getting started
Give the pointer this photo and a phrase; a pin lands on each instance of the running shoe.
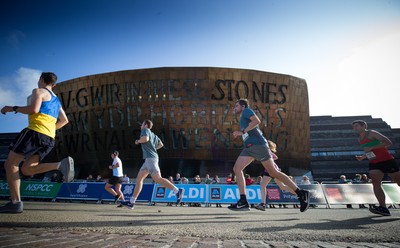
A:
(260, 207)
(240, 206)
(116, 198)
(304, 198)
(67, 169)
(128, 204)
(380, 210)
(12, 208)
(179, 196)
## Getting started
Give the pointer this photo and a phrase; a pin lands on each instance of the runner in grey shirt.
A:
(150, 144)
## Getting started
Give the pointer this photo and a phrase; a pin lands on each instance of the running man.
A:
(380, 161)
(116, 179)
(150, 144)
(36, 141)
(256, 148)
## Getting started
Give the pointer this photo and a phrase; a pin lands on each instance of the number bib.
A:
(245, 136)
(370, 155)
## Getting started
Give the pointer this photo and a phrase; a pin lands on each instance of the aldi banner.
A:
(195, 193)
(229, 193)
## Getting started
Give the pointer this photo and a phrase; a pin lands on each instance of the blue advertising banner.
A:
(226, 193)
(194, 193)
(81, 191)
(96, 191)
(127, 190)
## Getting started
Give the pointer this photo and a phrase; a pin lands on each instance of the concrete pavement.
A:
(59, 224)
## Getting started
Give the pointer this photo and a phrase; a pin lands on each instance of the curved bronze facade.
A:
(191, 108)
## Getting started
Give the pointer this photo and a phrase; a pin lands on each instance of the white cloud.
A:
(15, 89)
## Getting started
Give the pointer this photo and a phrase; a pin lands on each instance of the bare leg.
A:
(139, 183)
(32, 167)
(376, 177)
(395, 177)
(263, 184)
(273, 172)
(118, 187)
(109, 189)
(283, 186)
(12, 173)
(164, 182)
(241, 163)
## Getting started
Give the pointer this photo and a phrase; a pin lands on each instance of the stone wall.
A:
(191, 108)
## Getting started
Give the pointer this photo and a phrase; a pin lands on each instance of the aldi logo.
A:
(160, 192)
(215, 193)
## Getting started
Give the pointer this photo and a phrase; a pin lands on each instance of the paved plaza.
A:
(61, 224)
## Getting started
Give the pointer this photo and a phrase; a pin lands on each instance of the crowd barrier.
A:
(321, 194)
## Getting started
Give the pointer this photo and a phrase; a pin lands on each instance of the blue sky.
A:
(347, 50)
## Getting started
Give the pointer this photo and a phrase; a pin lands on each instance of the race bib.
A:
(245, 136)
(370, 155)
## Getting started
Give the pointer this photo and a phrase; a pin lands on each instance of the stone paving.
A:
(45, 224)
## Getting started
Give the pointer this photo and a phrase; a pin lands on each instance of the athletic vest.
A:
(379, 154)
(45, 120)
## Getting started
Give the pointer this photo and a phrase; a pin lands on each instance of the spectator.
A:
(233, 180)
(99, 178)
(365, 179)
(259, 178)
(207, 179)
(125, 179)
(229, 179)
(177, 178)
(357, 179)
(305, 180)
(90, 178)
(184, 180)
(343, 180)
(248, 180)
(215, 180)
(197, 179)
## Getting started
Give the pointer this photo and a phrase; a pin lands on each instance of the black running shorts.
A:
(388, 166)
(29, 142)
(115, 180)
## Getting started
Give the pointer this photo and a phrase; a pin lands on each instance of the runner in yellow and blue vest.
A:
(36, 141)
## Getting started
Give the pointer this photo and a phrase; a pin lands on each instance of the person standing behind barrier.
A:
(256, 148)
(380, 162)
(116, 178)
(266, 178)
(150, 144)
(33, 143)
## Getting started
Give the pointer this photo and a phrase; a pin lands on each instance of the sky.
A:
(348, 51)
